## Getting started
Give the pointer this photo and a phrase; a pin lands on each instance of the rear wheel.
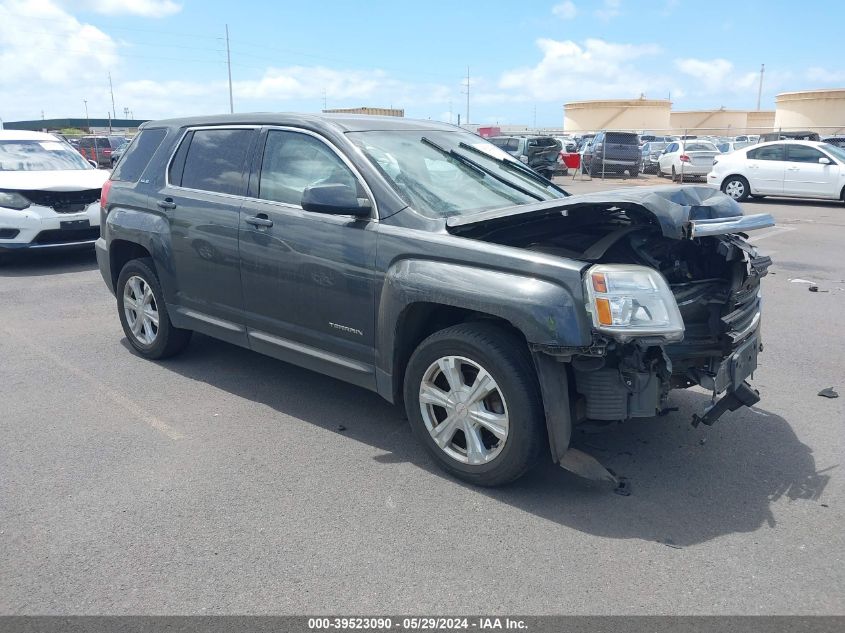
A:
(472, 399)
(143, 312)
(736, 187)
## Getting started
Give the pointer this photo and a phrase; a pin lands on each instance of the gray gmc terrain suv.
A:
(419, 261)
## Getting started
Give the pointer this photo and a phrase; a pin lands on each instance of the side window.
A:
(770, 152)
(293, 161)
(138, 154)
(499, 142)
(215, 160)
(673, 147)
(803, 154)
(84, 143)
(513, 144)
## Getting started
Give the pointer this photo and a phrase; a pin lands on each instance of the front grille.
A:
(67, 236)
(63, 201)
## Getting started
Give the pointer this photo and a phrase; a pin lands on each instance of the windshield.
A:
(39, 156)
(833, 150)
(442, 174)
(700, 147)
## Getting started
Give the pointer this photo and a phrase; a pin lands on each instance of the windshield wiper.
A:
(514, 166)
(477, 167)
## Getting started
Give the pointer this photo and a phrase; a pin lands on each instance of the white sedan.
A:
(49, 193)
(687, 159)
(801, 169)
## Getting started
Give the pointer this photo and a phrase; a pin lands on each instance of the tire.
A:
(660, 173)
(675, 177)
(513, 404)
(736, 187)
(152, 341)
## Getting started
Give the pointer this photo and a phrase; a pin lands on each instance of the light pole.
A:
(87, 120)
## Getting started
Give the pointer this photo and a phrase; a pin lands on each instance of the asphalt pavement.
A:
(222, 481)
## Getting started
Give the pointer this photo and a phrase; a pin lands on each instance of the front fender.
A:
(545, 312)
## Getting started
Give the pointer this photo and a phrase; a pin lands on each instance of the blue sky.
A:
(167, 57)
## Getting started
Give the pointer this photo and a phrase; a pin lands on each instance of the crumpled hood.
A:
(676, 208)
(55, 180)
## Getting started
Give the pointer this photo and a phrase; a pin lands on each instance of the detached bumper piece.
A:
(743, 396)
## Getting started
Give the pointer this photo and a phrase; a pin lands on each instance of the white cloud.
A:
(716, 76)
(565, 10)
(825, 76)
(609, 10)
(569, 70)
(277, 87)
(40, 42)
(143, 8)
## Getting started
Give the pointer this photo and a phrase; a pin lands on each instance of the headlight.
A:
(628, 301)
(13, 200)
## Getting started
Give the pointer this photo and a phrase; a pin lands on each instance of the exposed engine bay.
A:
(715, 281)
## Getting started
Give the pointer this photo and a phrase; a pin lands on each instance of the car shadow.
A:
(687, 485)
(36, 263)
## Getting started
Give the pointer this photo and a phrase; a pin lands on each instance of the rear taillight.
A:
(104, 195)
(107, 151)
(684, 158)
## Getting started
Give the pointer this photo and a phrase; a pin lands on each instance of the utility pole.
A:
(111, 89)
(87, 120)
(760, 87)
(467, 121)
(229, 65)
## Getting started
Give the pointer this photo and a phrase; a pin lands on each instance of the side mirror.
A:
(824, 160)
(335, 199)
(93, 164)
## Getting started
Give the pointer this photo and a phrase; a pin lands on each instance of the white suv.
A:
(49, 193)
(801, 169)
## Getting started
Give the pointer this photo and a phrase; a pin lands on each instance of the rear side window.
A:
(513, 144)
(215, 160)
(138, 154)
(623, 138)
(770, 152)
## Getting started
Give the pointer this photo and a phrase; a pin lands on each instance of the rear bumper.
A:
(104, 262)
(699, 171)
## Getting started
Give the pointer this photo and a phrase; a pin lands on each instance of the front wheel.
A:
(736, 187)
(143, 312)
(472, 398)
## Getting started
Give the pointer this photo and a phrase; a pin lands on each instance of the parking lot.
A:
(222, 481)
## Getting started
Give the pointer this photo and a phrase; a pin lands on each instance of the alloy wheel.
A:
(464, 410)
(141, 310)
(735, 189)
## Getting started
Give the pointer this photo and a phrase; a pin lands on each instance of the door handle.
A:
(259, 220)
(167, 203)
(793, 168)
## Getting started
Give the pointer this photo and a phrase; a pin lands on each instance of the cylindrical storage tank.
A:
(616, 114)
(818, 110)
(721, 121)
(760, 121)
